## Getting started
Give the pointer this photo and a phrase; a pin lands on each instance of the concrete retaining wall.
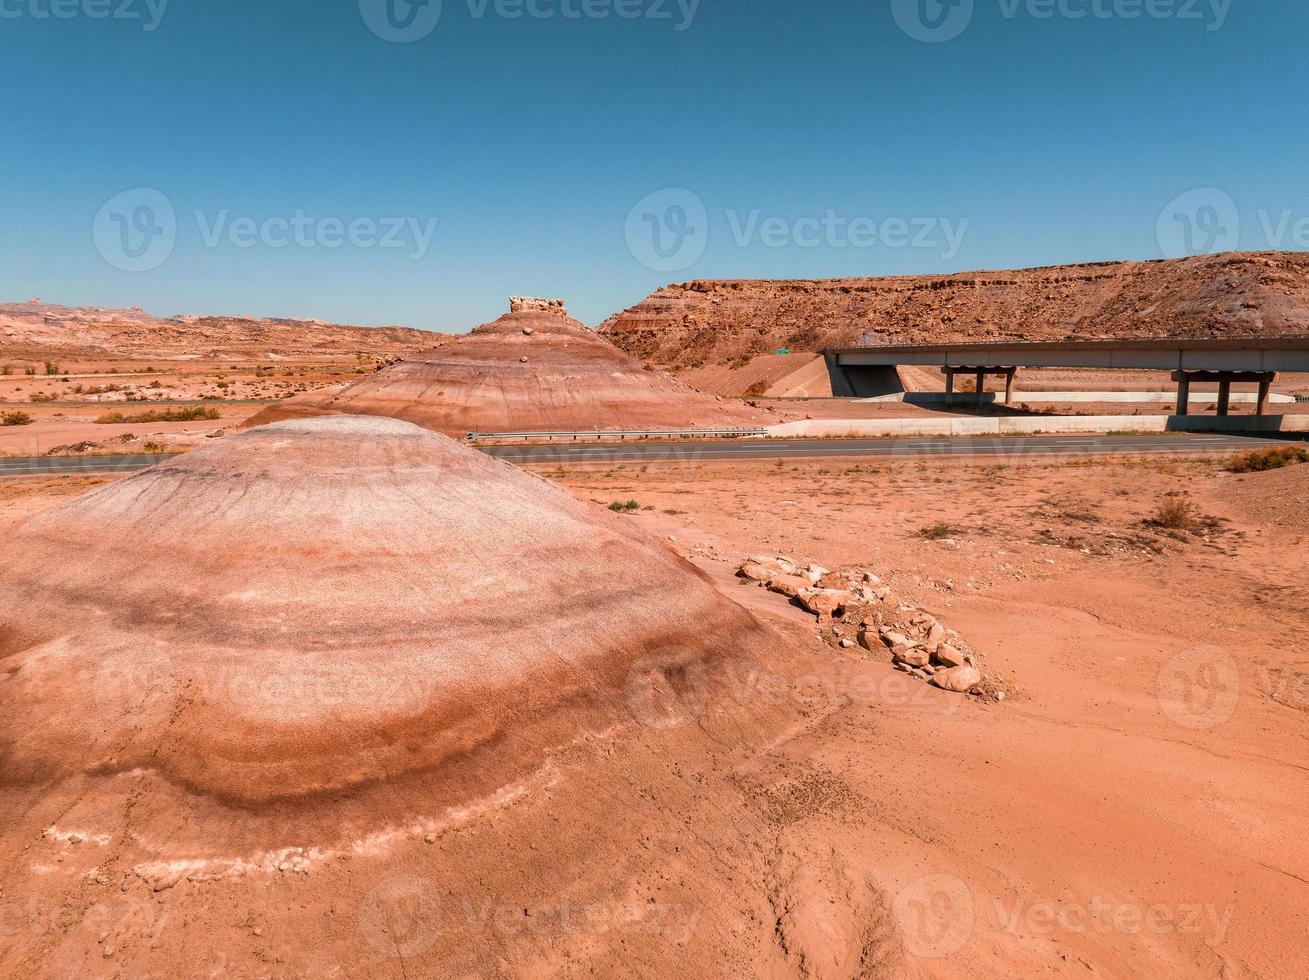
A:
(1072, 397)
(1021, 425)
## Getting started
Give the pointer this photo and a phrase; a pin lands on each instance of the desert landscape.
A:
(330, 691)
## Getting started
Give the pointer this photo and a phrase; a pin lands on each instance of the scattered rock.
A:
(788, 585)
(948, 656)
(913, 656)
(957, 679)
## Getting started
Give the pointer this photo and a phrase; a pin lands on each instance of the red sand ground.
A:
(1135, 808)
(527, 371)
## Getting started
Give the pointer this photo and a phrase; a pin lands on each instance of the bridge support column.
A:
(1009, 385)
(981, 388)
(1224, 380)
(949, 387)
(1183, 397)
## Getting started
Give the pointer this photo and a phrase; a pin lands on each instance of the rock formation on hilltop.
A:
(1230, 295)
(533, 370)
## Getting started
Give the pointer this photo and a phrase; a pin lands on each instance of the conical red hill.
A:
(529, 371)
(325, 605)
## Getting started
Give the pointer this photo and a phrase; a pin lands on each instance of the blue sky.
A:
(597, 158)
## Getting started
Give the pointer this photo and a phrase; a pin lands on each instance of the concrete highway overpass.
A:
(870, 371)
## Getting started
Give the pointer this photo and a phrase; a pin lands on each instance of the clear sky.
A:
(288, 157)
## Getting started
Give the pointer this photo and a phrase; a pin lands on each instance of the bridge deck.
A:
(1245, 354)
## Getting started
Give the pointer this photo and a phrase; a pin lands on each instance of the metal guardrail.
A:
(621, 435)
(1302, 399)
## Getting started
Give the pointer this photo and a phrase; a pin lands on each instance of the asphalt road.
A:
(650, 452)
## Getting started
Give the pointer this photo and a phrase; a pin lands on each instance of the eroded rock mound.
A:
(322, 605)
(532, 370)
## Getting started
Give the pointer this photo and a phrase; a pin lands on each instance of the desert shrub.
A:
(1175, 513)
(7, 370)
(154, 448)
(51, 367)
(15, 418)
(1269, 459)
(30, 372)
(939, 532)
(758, 389)
(192, 414)
(41, 396)
(618, 505)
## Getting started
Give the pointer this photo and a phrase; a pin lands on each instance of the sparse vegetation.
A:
(52, 368)
(155, 448)
(15, 418)
(1269, 459)
(939, 532)
(618, 505)
(1175, 513)
(193, 414)
(41, 396)
(758, 389)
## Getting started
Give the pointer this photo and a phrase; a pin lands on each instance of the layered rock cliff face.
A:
(1231, 295)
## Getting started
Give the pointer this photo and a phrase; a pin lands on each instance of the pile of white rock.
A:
(857, 601)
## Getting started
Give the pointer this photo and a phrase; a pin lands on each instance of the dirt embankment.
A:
(713, 322)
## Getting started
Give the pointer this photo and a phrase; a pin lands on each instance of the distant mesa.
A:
(717, 321)
(535, 369)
